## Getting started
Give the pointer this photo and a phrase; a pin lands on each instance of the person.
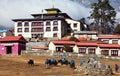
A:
(46, 63)
(116, 67)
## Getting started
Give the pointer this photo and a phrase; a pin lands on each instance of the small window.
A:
(48, 23)
(26, 24)
(114, 52)
(19, 24)
(55, 22)
(37, 24)
(55, 35)
(55, 28)
(19, 29)
(19, 34)
(26, 29)
(40, 29)
(75, 25)
(106, 41)
(114, 41)
(91, 51)
(48, 29)
(82, 50)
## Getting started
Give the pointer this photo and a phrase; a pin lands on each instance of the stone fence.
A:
(40, 53)
(67, 54)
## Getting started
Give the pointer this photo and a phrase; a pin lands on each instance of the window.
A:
(40, 29)
(114, 41)
(26, 24)
(26, 29)
(55, 35)
(37, 29)
(19, 24)
(55, 28)
(106, 41)
(114, 52)
(82, 50)
(75, 25)
(48, 23)
(19, 34)
(37, 24)
(48, 29)
(91, 51)
(59, 49)
(55, 22)
(19, 29)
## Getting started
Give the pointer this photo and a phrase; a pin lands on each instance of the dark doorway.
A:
(9, 49)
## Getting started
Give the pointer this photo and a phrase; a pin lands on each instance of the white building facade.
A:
(52, 24)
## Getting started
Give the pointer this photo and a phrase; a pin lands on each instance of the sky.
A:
(20, 9)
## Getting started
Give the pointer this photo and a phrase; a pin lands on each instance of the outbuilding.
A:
(12, 45)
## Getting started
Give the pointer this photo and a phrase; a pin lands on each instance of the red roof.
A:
(82, 39)
(89, 44)
(109, 45)
(64, 39)
(64, 42)
(13, 38)
(109, 36)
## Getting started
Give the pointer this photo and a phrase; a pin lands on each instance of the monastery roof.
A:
(38, 19)
(109, 36)
(12, 38)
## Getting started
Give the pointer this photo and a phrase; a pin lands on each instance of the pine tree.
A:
(103, 15)
(117, 29)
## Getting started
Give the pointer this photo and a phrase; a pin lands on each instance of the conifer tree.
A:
(117, 29)
(103, 15)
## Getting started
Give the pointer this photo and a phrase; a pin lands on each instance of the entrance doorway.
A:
(9, 49)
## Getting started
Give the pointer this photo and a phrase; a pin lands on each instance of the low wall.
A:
(40, 53)
(67, 54)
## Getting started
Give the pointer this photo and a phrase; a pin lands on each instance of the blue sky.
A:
(15, 9)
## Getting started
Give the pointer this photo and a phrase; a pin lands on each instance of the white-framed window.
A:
(26, 29)
(48, 29)
(82, 50)
(114, 52)
(91, 50)
(19, 24)
(19, 29)
(26, 24)
(55, 28)
(55, 22)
